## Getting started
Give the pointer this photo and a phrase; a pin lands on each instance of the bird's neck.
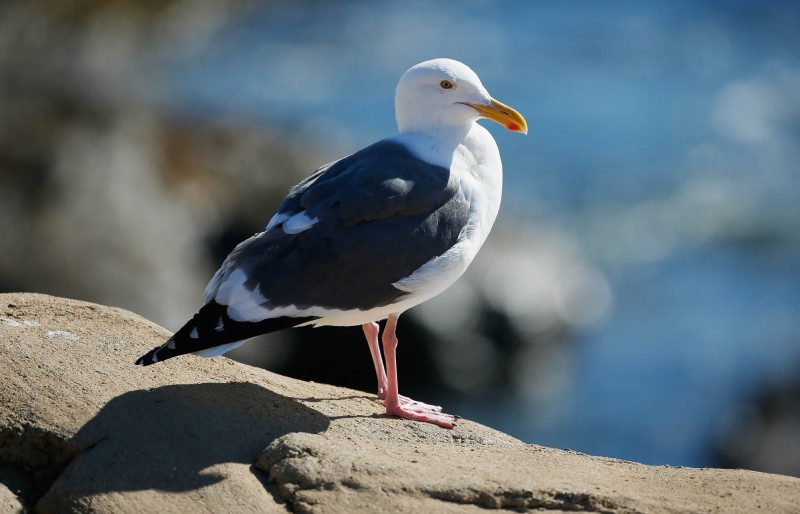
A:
(436, 145)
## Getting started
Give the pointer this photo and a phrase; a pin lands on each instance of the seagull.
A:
(367, 237)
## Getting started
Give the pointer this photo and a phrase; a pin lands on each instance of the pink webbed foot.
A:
(417, 411)
(408, 402)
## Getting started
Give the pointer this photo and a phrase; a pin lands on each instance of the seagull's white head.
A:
(445, 95)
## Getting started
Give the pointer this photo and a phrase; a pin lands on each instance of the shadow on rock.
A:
(167, 438)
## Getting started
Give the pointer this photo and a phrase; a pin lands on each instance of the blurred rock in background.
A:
(764, 433)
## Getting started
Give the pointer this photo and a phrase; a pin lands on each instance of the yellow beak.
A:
(502, 114)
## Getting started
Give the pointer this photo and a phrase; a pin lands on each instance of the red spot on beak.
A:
(512, 126)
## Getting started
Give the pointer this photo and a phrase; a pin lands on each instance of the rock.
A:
(84, 430)
(9, 503)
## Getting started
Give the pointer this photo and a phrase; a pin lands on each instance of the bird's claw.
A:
(420, 414)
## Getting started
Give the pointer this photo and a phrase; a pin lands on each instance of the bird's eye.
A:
(446, 84)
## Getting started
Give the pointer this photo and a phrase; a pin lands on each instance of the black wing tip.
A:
(147, 359)
(182, 342)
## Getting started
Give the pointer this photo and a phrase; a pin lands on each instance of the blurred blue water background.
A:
(664, 139)
(663, 143)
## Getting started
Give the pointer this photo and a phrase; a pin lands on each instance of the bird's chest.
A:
(479, 174)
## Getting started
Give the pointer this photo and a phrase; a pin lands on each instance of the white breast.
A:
(477, 167)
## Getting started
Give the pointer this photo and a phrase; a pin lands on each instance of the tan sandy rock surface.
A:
(84, 430)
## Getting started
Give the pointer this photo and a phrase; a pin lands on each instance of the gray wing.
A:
(371, 219)
(378, 182)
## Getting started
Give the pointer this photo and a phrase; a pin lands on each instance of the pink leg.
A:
(371, 333)
(394, 406)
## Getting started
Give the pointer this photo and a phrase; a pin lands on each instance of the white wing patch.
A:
(226, 286)
(249, 306)
(243, 304)
(298, 223)
(276, 220)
